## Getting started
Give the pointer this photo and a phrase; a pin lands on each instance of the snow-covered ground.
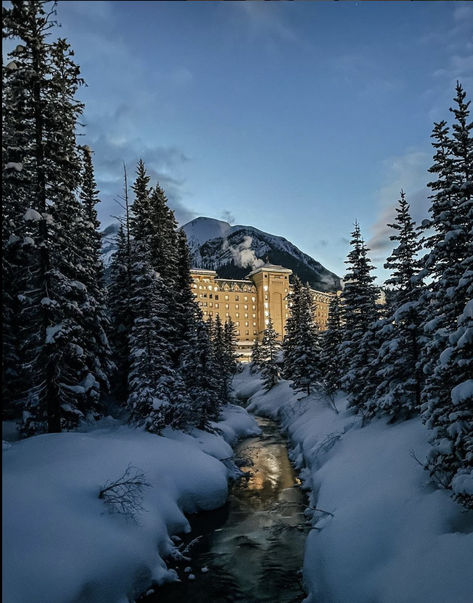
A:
(383, 533)
(61, 543)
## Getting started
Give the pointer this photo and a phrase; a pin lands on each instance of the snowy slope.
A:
(61, 544)
(381, 531)
(233, 251)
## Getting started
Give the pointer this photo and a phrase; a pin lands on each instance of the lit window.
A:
(237, 315)
(266, 305)
(246, 307)
(226, 296)
(265, 287)
(253, 299)
(254, 307)
(246, 315)
(237, 306)
(245, 298)
(266, 313)
(210, 287)
(216, 305)
(227, 306)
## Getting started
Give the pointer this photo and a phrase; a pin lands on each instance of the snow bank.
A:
(61, 543)
(383, 532)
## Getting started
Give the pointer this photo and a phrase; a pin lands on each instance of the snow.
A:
(12, 165)
(462, 392)
(382, 531)
(31, 215)
(62, 544)
(51, 332)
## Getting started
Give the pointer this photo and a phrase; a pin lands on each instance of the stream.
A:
(252, 548)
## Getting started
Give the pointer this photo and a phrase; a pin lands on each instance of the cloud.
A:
(407, 172)
(264, 18)
(227, 216)
(242, 254)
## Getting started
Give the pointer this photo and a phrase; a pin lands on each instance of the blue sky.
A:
(294, 117)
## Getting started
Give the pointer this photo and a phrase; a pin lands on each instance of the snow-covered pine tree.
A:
(118, 299)
(289, 341)
(151, 378)
(255, 356)
(96, 321)
(152, 382)
(231, 359)
(199, 370)
(399, 335)
(305, 361)
(54, 292)
(447, 394)
(219, 346)
(331, 341)
(23, 78)
(357, 352)
(270, 349)
(121, 313)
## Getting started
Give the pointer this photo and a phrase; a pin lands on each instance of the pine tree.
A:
(219, 346)
(357, 351)
(399, 336)
(255, 356)
(53, 296)
(447, 355)
(121, 313)
(154, 389)
(119, 304)
(269, 353)
(231, 360)
(289, 341)
(302, 342)
(331, 340)
(200, 375)
(96, 322)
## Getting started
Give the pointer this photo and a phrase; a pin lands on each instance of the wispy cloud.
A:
(407, 172)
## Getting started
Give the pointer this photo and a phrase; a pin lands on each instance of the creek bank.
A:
(376, 516)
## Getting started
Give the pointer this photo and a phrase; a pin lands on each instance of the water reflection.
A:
(253, 547)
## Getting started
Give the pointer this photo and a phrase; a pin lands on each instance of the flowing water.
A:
(252, 548)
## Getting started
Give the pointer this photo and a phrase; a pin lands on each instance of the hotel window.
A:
(211, 304)
(216, 305)
(237, 298)
(237, 306)
(266, 305)
(247, 332)
(246, 307)
(254, 324)
(254, 307)
(210, 295)
(227, 314)
(226, 306)
(237, 315)
(245, 298)
(246, 315)
(254, 315)
(253, 299)
(247, 324)
(226, 296)
(205, 303)
(237, 323)
(216, 296)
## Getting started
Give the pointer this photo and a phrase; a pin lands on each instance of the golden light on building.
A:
(250, 302)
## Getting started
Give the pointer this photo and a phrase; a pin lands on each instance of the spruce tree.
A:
(303, 342)
(400, 339)
(255, 356)
(446, 303)
(331, 341)
(54, 296)
(356, 352)
(270, 348)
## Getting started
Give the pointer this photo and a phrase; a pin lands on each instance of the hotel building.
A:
(250, 302)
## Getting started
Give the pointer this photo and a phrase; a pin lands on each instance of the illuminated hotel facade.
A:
(250, 302)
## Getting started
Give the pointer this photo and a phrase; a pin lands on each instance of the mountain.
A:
(233, 251)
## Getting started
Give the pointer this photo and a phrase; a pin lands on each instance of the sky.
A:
(294, 117)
